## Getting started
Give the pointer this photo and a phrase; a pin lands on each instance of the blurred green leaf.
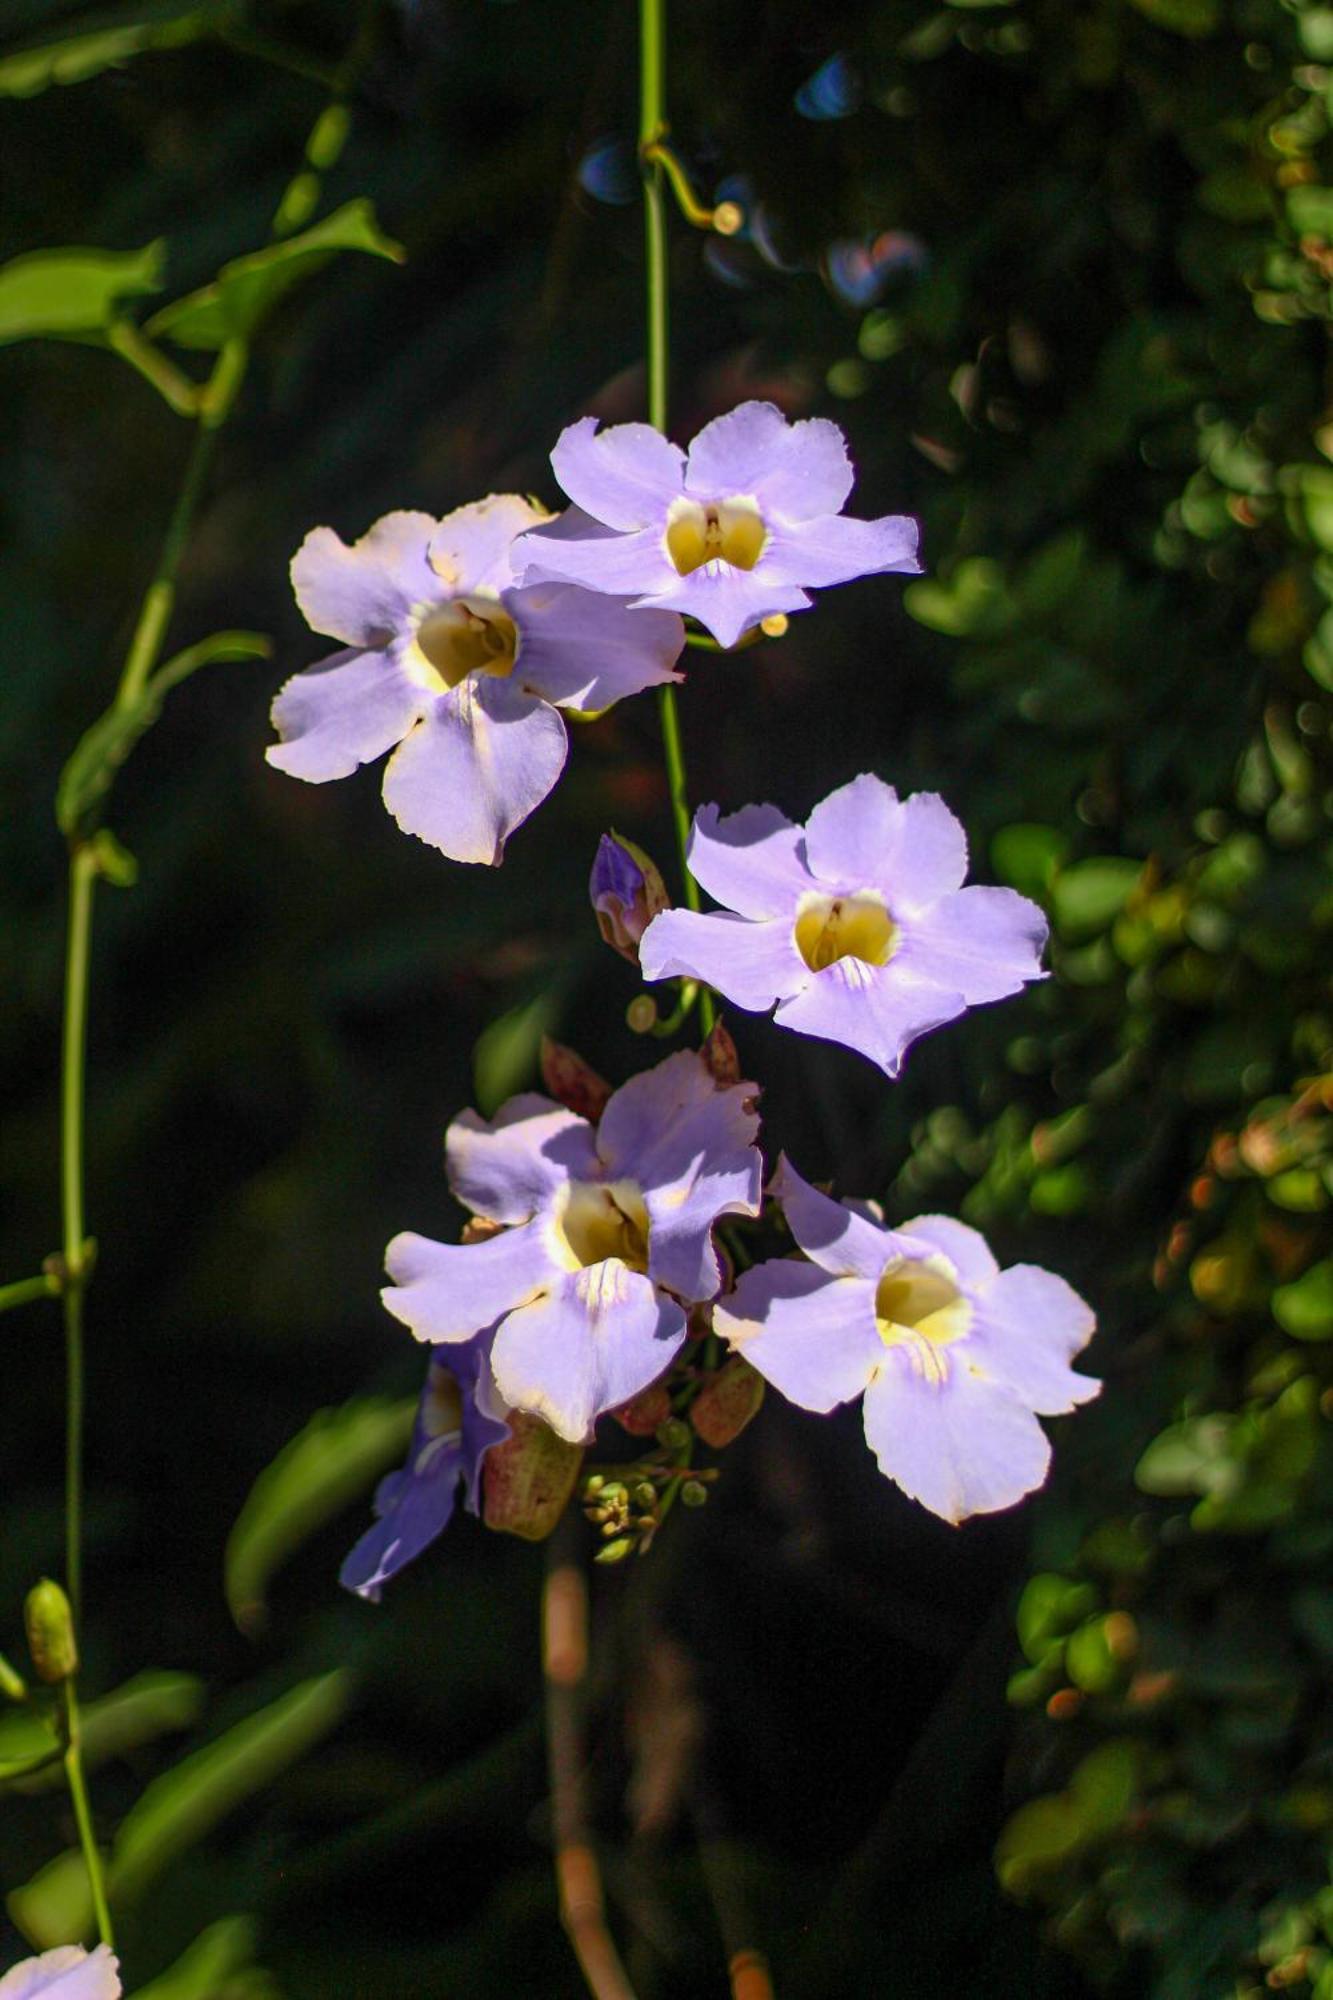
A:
(150, 1705)
(506, 1055)
(1027, 855)
(79, 57)
(1182, 17)
(248, 288)
(1304, 1309)
(71, 294)
(1051, 1606)
(972, 602)
(328, 1464)
(225, 1948)
(1189, 1457)
(1086, 896)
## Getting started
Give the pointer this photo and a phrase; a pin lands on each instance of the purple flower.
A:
(856, 925)
(733, 531)
(627, 891)
(607, 1237)
(67, 1973)
(460, 669)
(459, 1418)
(952, 1355)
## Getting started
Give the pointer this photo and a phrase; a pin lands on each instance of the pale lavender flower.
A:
(607, 1238)
(856, 925)
(627, 891)
(952, 1355)
(67, 1973)
(740, 527)
(459, 1418)
(449, 660)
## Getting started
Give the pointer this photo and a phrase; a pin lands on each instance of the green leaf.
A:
(329, 1463)
(972, 602)
(1051, 1605)
(1304, 1309)
(1191, 1457)
(103, 747)
(1087, 896)
(79, 57)
(149, 1706)
(1037, 1840)
(223, 1949)
(72, 294)
(506, 1054)
(1182, 17)
(1027, 854)
(247, 289)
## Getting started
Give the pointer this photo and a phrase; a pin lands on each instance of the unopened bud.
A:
(727, 1402)
(627, 892)
(12, 1684)
(644, 1413)
(573, 1082)
(615, 1552)
(693, 1494)
(673, 1434)
(645, 1494)
(528, 1478)
(50, 1627)
(641, 1014)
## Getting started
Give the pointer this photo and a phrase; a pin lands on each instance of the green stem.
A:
(160, 596)
(24, 1290)
(73, 1070)
(78, 1793)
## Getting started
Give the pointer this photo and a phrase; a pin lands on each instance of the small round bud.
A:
(775, 625)
(593, 1485)
(641, 1015)
(673, 1434)
(645, 1494)
(615, 1552)
(614, 1491)
(693, 1494)
(728, 217)
(50, 1627)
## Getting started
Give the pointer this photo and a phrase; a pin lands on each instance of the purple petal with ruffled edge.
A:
(626, 476)
(870, 1008)
(752, 964)
(346, 711)
(1027, 1325)
(690, 1147)
(473, 769)
(599, 559)
(960, 1446)
(838, 548)
(982, 943)
(582, 650)
(471, 549)
(593, 1340)
(832, 1235)
(725, 600)
(812, 1336)
(67, 1973)
(799, 471)
(447, 1292)
(863, 835)
(753, 860)
(966, 1249)
(365, 593)
(452, 1434)
(514, 1165)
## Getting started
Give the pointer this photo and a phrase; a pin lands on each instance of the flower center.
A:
(919, 1306)
(594, 1221)
(833, 927)
(729, 531)
(468, 635)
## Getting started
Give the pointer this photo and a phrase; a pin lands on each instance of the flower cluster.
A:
(590, 1279)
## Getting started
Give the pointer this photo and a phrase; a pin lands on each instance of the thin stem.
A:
(24, 1290)
(73, 1072)
(160, 596)
(78, 1793)
(578, 1877)
(680, 814)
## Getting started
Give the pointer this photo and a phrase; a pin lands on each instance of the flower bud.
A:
(693, 1494)
(673, 1434)
(627, 891)
(645, 1413)
(12, 1684)
(573, 1082)
(727, 1402)
(615, 1552)
(50, 1628)
(528, 1478)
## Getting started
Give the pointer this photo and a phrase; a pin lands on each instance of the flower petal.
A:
(447, 1292)
(841, 1242)
(754, 964)
(590, 1342)
(473, 769)
(812, 1336)
(577, 549)
(67, 1973)
(752, 861)
(797, 470)
(346, 711)
(626, 476)
(727, 600)
(837, 548)
(1027, 1326)
(863, 835)
(870, 1008)
(470, 549)
(690, 1147)
(982, 943)
(364, 594)
(966, 1249)
(584, 650)
(511, 1167)
(961, 1446)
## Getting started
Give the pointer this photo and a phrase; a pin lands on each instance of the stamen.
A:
(729, 531)
(832, 927)
(919, 1306)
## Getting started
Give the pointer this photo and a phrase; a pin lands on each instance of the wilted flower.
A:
(459, 1418)
(627, 892)
(739, 528)
(458, 667)
(856, 925)
(67, 1973)
(953, 1355)
(607, 1238)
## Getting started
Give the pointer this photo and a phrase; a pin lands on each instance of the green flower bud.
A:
(615, 1552)
(693, 1493)
(673, 1434)
(50, 1627)
(12, 1684)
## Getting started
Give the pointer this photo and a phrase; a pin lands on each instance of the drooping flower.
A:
(742, 526)
(856, 925)
(627, 891)
(449, 660)
(67, 1973)
(952, 1355)
(607, 1237)
(459, 1418)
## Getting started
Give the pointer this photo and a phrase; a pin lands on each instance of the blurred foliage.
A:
(1063, 272)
